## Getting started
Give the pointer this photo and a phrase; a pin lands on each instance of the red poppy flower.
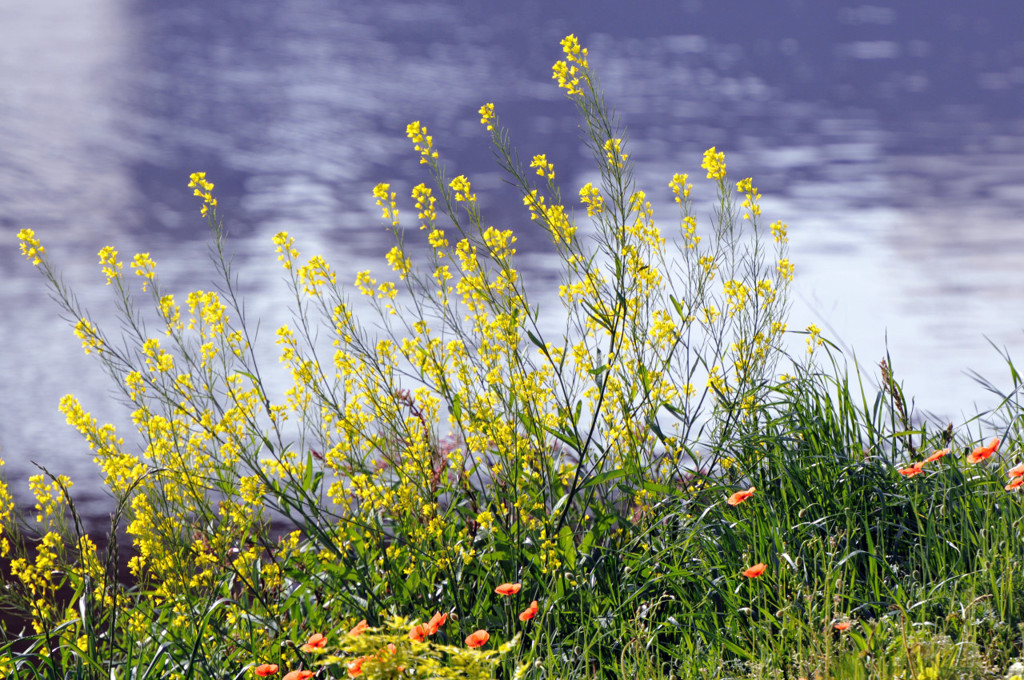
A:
(843, 625)
(315, 641)
(359, 628)
(508, 588)
(356, 667)
(755, 571)
(478, 639)
(983, 452)
(1015, 484)
(529, 612)
(265, 669)
(935, 456)
(911, 471)
(435, 622)
(298, 675)
(1017, 470)
(418, 632)
(741, 496)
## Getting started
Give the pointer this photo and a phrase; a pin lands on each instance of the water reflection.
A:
(891, 139)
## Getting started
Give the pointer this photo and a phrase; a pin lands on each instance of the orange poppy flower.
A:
(529, 612)
(935, 456)
(315, 641)
(843, 625)
(356, 667)
(418, 632)
(478, 639)
(265, 669)
(392, 648)
(911, 471)
(508, 588)
(755, 571)
(298, 675)
(983, 452)
(1015, 484)
(741, 496)
(359, 628)
(1017, 470)
(435, 622)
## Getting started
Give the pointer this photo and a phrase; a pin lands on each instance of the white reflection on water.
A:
(896, 157)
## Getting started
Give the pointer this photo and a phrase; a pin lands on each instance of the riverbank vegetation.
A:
(648, 481)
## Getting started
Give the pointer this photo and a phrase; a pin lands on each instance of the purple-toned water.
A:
(890, 139)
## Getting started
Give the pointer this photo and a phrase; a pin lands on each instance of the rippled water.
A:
(890, 139)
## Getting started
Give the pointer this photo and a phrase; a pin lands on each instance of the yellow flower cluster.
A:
(6, 508)
(569, 71)
(39, 580)
(315, 274)
(144, 266)
(212, 317)
(714, 163)
(386, 201)
(204, 190)
(679, 187)
(422, 142)
(286, 252)
(590, 196)
(156, 358)
(89, 335)
(736, 293)
(425, 205)
(31, 248)
(613, 153)
(779, 232)
(689, 227)
(785, 269)
(487, 116)
(813, 338)
(553, 217)
(48, 496)
(399, 262)
(750, 198)
(543, 167)
(110, 265)
(460, 185)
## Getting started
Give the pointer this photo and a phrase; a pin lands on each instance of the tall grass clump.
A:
(458, 483)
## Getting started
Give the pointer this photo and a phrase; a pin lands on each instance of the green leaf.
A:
(457, 408)
(568, 546)
(604, 477)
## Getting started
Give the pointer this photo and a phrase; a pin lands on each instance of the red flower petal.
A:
(356, 667)
(529, 612)
(478, 639)
(508, 588)
(436, 621)
(741, 496)
(755, 571)
(983, 452)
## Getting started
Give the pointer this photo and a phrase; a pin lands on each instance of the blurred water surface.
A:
(890, 139)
